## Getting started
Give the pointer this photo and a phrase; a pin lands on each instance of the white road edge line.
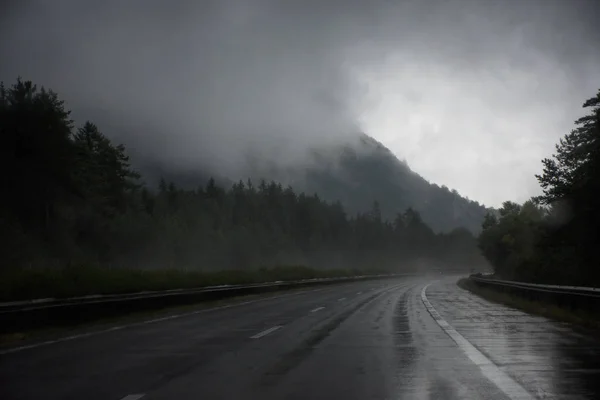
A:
(317, 309)
(266, 332)
(150, 321)
(512, 389)
(133, 396)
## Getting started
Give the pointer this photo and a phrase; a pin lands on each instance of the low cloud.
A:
(472, 94)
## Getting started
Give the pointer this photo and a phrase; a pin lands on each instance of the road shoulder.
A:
(549, 359)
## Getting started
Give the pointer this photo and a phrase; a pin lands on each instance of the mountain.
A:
(357, 174)
(364, 171)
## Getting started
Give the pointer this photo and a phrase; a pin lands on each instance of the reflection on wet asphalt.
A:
(441, 370)
(380, 342)
(549, 359)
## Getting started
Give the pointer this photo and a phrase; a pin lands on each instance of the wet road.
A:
(367, 340)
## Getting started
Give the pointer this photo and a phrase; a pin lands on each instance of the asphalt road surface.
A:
(410, 338)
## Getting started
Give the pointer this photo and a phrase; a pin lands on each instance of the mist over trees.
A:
(355, 172)
(71, 197)
(368, 170)
(554, 238)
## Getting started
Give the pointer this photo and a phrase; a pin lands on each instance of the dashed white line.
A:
(505, 383)
(150, 321)
(266, 332)
(317, 309)
(359, 293)
(133, 396)
(342, 299)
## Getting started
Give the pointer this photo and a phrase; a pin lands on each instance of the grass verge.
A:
(73, 281)
(577, 317)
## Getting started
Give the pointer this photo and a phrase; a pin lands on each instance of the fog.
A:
(471, 93)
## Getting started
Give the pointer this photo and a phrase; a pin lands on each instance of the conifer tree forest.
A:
(72, 198)
(554, 237)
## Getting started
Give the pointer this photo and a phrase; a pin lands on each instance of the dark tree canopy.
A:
(557, 241)
(73, 198)
(37, 153)
(573, 170)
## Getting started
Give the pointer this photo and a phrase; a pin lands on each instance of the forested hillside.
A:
(357, 173)
(72, 198)
(365, 170)
(554, 238)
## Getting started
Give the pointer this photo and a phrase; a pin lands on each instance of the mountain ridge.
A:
(357, 173)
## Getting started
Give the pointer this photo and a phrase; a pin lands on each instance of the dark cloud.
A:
(196, 83)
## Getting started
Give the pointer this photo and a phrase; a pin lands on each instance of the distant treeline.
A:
(70, 197)
(554, 238)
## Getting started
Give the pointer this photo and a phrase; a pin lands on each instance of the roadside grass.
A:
(73, 281)
(552, 311)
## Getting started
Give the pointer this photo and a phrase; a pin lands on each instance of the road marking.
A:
(342, 299)
(150, 321)
(359, 293)
(266, 332)
(505, 383)
(317, 309)
(115, 328)
(133, 396)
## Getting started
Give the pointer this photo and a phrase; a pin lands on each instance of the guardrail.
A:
(573, 297)
(31, 314)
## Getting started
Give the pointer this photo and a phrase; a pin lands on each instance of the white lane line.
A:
(133, 396)
(266, 332)
(317, 309)
(342, 299)
(505, 383)
(359, 293)
(150, 321)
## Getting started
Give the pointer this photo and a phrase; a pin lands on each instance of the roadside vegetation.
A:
(76, 218)
(29, 283)
(554, 238)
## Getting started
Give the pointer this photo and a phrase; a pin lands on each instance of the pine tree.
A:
(571, 180)
(37, 153)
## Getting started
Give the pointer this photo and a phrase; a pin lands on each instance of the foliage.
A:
(73, 281)
(553, 238)
(355, 172)
(72, 198)
(510, 241)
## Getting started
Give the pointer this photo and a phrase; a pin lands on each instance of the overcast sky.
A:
(473, 94)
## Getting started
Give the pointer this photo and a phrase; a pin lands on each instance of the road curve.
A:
(408, 338)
